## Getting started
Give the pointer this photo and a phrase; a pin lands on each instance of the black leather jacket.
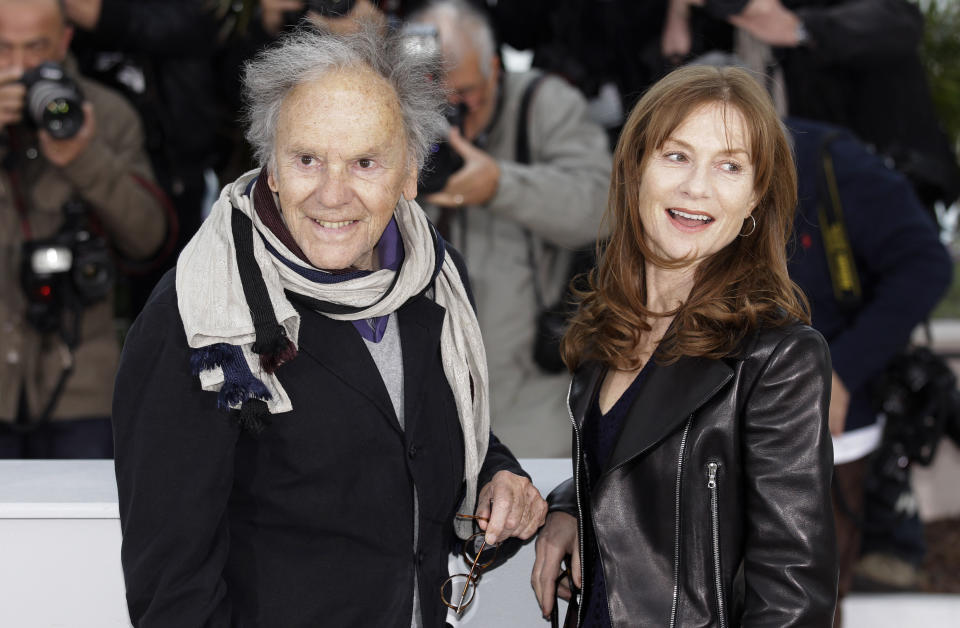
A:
(715, 507)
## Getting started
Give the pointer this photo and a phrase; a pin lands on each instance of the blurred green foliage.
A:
(941, 56)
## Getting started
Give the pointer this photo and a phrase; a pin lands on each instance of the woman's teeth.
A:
(681, 214)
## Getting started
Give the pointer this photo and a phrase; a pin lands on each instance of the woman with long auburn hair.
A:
(702, 467)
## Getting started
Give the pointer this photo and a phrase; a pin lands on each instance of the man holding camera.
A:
(74, 178)
(516, 221)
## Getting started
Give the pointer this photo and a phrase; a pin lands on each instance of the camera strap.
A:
(836, 243)
(522, 156)
(12, 166)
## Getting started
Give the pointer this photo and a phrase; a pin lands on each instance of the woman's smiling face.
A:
(698, 188)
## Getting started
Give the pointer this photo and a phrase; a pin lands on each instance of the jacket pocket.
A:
(713, 469)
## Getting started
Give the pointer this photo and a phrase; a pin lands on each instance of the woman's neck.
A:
(667, 288)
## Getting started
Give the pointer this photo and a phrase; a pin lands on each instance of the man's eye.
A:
(306, 160)
(365, 163)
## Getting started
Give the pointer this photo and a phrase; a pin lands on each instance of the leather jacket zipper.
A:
(715, 525)
(676, 532)
(576, 483)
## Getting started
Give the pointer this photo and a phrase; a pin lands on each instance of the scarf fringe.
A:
(253, 416)
(273, 347)
(210, 357)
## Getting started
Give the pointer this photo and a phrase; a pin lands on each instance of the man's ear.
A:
(272, 181)
(63, 46)
(409, 189)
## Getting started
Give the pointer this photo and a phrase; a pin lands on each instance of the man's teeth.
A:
(677, 212)
(332, 225)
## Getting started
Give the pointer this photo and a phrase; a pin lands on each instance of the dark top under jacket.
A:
(310, 523)
(714, 508)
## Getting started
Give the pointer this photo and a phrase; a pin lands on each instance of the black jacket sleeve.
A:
(790, 563)
(174, 466)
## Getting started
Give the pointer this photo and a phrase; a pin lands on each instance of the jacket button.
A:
(412, 452)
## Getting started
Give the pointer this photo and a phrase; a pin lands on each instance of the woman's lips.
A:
(689, 219)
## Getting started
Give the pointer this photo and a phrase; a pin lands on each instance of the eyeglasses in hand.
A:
(462, 587)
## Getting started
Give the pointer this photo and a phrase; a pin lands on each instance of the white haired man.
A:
(301, 411)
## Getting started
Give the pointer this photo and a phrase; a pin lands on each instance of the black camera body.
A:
(54, 101)
(71, 269)
(331, 8)
(443, 161)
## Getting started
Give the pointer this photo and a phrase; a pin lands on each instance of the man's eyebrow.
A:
(728, 151)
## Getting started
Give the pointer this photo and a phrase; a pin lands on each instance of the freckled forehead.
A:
(352, 103)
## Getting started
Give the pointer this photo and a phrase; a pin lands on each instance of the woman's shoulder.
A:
(793, 335)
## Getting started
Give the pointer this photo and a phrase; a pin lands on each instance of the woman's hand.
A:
(557, 539)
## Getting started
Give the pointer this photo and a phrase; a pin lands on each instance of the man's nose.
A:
(334, 188)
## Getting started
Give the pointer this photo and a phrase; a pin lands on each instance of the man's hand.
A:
(675, 40)
(83, 13)
(473, 184)
(12, 93)
(839, 404)
(272, 13)
(62, 152)
(512, 506)
(557, 539)
(769, 21)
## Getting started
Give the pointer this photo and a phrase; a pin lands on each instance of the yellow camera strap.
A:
(840, 260)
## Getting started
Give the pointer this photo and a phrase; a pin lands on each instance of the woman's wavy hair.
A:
(736, 290)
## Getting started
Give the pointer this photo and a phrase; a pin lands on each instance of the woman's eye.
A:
(306, 160)
(365, 163)
(676, 157)
(731, 166)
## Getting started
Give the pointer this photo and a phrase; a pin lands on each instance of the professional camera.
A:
(331, 8)
(423, 40)
(71, 269)
(443, 161)
(54, 101)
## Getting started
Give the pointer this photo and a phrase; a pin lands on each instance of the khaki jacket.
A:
(132, 220)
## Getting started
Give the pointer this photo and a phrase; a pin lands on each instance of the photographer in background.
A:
(74, 178)
(895, 271)
(516, 221)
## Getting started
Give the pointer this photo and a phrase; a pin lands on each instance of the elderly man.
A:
(517, 222)
(301, 412)
(59, 179)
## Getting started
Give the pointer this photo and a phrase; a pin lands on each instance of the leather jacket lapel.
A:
(670, 394)
(583, 388)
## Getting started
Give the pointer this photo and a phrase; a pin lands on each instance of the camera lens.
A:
(56, 108)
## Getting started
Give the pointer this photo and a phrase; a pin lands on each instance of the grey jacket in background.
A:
(560, 197)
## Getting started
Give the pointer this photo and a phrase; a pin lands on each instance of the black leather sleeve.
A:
(790, 567)
(563, 498)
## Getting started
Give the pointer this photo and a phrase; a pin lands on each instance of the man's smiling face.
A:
(340, 166)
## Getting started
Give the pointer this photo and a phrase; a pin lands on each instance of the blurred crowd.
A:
(120, 117)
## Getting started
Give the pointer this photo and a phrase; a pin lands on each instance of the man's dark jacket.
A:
(748, 541)
(310, 523)
(903, 268)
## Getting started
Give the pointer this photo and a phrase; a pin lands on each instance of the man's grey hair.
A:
(462, 28)
(308, 53)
